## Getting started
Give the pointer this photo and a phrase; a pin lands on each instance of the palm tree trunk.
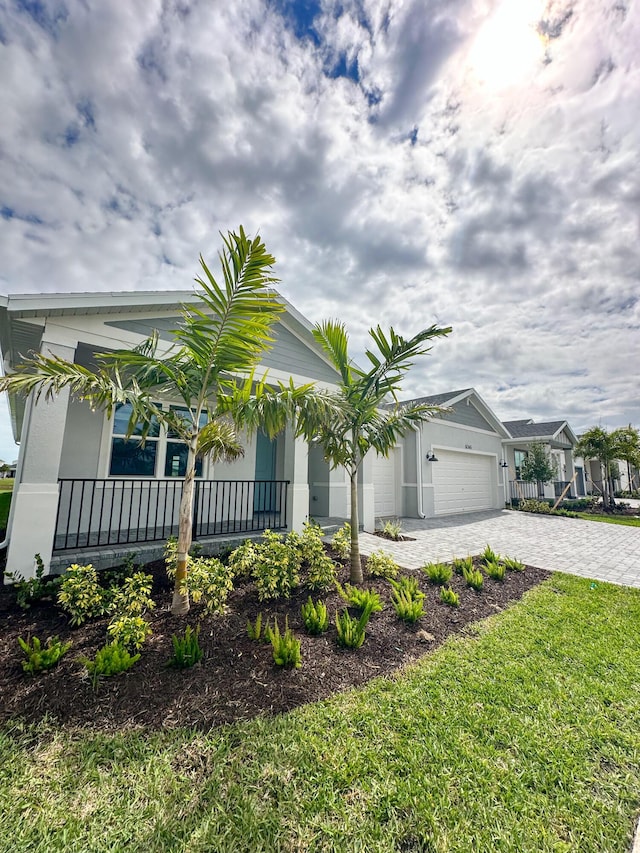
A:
(180, 605)
(355, 574)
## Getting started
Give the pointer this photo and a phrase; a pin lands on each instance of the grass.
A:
(630, 521)
(6, 484)
(522, 736)
(5, 503)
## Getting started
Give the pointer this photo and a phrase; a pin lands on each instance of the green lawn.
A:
(611, 519)
(522, 736)
(5, 503)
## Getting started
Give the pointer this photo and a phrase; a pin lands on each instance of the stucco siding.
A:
(82, 441)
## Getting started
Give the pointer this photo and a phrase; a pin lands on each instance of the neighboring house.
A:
(449, 465)
(559, 440)
(626, 478)
(82, 490)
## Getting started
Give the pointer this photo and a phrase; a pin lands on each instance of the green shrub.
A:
(129, 631)
(242, 559)
(209, 581)
(408, 584)
(489, 555)
(186, 649)
(407, 599)
(286, 649)
(448, 596)
(438, 573)
(111, 659)
(320, 568)
(38, 658)
(393, 529)
(341, 541)
(80, 595)
(473, 578)
(254, 629)
(134, 596)
(315, 617)
(533, 505)
(277, 569)
(495, 570)
(351, 631)
(360, 598)
(34, 589)
(512, 564)
(462, 563)
(381, 565)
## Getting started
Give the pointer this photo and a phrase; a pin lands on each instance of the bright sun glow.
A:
(508, 46)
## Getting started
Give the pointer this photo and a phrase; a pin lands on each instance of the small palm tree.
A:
(597, 443)
(365, 417)
(208, 369)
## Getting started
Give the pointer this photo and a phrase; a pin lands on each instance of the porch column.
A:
(569, 471)
(366, 494)
(35, 497)
(296, 471)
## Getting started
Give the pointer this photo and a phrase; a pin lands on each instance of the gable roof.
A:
(543, 430)
(450, 398)
(440, 399)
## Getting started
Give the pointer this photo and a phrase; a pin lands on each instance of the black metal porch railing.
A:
(100, 513)
(559, 486)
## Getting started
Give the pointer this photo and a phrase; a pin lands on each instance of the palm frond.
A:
(219, 441)
(332, 337)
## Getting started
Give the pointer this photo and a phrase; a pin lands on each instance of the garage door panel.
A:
(463, 482)
(384, 480)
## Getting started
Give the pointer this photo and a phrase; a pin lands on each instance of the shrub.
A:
(341, 541)
(38, 658)
(315, 617)
(407, 599)
(381, 565)
(321, 570)
(462, 563)
(254, 629)
(393, 529)
(438, 573)
(129, 631)
(512, 564)
(286, 649)
(111, 659)
(80, 595)
(277, 568)
(242, 559)
(495, 570)
(448, 596)
(473, 578)
(407, 584)
(134, 596)
(186, 649)
(489, 555)
(209, 581)
(533, 505)
(351, 631)
(34, 589)
(360, 598)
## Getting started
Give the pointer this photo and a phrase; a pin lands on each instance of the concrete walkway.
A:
(606, 552)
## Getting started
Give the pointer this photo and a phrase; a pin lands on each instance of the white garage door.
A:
(384, 482)
(463, 482)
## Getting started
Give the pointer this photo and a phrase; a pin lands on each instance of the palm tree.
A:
(208, 368)
(597, 443)
(365, 417)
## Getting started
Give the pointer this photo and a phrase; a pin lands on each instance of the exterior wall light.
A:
(431, 457)
(504, 464)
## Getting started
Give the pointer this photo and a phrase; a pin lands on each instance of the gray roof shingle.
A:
(522, 429)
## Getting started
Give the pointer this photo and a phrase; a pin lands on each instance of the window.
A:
(519, 457)
(175, 464)
(128, 457)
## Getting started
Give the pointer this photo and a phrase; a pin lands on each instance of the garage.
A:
(463, 482)
(384, 481)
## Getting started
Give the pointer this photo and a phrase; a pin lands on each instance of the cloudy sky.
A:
(473, 163)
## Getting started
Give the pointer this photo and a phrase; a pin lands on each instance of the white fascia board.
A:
(41, 304)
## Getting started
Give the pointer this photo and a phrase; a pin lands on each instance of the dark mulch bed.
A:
(237, 679)
(400, 538)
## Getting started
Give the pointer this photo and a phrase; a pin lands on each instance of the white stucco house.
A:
(81, 491)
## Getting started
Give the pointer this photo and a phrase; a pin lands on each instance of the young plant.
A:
(315, 617)
(407, 584)
(286, 649)
(495, 570)
(38, 658)
(473, 578)
(186, 649)
(111, 659)
(254, 629)
(277, 569)
(321, 570)
(512, 564)
(80, 595)
(351, 632)
(448, 596)
(381, 565)
(359, 598)
(393, 529)
(462, 563)
(489, 556)
(243, 559)
(209, 581)
(407, 599)
(533, 505)
(129, 631)
(134, 596)
(34, 589)
(438, 573)
(341, 541)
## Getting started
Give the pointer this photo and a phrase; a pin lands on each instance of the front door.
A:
(264, 494)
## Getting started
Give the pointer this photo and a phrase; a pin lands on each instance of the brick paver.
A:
(606, 552)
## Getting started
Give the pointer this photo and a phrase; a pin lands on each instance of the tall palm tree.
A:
(597, 443)
(208, 369)
(367, 415)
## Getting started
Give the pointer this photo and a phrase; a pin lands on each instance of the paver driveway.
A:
(608, 552)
